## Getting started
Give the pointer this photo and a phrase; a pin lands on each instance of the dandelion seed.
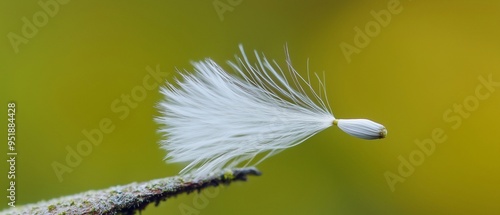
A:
(215, 120)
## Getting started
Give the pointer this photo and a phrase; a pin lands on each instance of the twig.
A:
(127, 199)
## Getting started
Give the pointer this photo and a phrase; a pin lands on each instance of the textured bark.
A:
(127, 199)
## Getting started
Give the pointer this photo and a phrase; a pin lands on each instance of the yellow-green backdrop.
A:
(427, 70)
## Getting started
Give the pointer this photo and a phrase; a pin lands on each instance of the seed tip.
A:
(383, 133)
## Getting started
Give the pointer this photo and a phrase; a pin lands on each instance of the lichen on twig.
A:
(127, 199)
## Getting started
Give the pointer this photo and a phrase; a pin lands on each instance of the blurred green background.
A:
(411, 72)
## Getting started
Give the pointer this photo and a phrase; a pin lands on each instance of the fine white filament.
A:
(215, 120)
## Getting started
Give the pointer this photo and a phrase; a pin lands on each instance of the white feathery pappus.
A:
(215, 120)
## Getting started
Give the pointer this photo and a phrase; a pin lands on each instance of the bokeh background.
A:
(423, 64)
